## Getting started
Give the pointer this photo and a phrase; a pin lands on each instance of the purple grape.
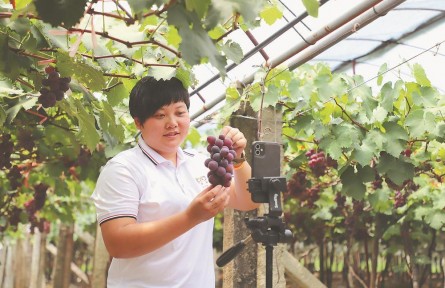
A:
(221, 171)
(224, 151)
(213, 179)
(222, 137)
(223, 163)
(216, 157)
(229, 168)
(228, 143)
(211, 140)
(213, 165)
(227, 183)
(206, 162)
(230, 157)
(219, 143)
(209, 148)
(215, 149)
(228, 177)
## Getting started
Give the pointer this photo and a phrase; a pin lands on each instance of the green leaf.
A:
(382, 70)
(419, 122)
(396, 169)
(25, 103)
(172, 36)
(342, 136)
(107, 122)
(224, 9)
(87, 132)
(116, 94)
(420, 75)
(352, 185)
(138, 6)
(233, 51)
(199, 6)
(58, 12)
(86, 74)
(366, 151)
(311, 7)
(2, 116)
(11, 64)
(196, 44)
(395, 138)
(271, 14)
(380, 201)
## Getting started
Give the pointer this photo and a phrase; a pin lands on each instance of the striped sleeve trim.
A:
(115, 217)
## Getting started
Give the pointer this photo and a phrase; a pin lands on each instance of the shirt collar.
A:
(156, 158)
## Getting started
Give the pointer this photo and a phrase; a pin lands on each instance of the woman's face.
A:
(166, 129)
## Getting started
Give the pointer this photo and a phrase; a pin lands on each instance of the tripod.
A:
(268, 229)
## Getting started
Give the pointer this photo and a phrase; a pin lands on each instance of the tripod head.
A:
(268, 229)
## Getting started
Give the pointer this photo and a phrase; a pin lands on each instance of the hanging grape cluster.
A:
(220, 161)
(6, 149)
(318, 162)
(55, 87)
(35, 204)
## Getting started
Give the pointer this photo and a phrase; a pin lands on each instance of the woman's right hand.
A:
(208, 203)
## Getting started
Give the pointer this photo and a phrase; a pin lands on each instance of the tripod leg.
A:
(269, 265)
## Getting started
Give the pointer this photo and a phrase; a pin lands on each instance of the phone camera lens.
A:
(257, 152)
(257, 146)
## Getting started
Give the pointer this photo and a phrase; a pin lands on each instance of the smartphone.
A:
(265, 159)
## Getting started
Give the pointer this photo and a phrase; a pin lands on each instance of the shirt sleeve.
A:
(116, 194)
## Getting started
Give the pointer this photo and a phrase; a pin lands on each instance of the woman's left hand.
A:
(237, 137)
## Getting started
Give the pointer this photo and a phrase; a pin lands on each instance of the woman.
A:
(154, 204)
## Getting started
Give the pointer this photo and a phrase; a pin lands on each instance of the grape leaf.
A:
(352, 185)
(311, 7)
(389, 95)
(271, 14)
(107, 122)
(224, 9)
(61, 12)
(380, 201)
(419, 122)
(2, 116)
(116, 94)
(196, 44)
(364, 153)
(11, 64)
(172, 36)
(382, 70)
(91, 76)
(397, 170)
(420, 75)
(199, 6)
(233, 51)
(87, 132)
(395, 138)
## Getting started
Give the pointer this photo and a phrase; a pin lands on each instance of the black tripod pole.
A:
(269, 265)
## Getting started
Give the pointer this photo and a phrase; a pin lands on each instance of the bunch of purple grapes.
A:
(317, 162)
(55, 89)
(220, 161)
(6, 149)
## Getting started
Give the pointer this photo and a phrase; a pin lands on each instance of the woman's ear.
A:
(137, 123)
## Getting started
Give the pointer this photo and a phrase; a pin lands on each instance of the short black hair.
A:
(149, 95)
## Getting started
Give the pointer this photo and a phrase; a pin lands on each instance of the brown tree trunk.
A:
(101, 262)
(62, 264)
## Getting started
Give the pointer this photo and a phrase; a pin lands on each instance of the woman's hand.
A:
(237, 137)
(208, 203)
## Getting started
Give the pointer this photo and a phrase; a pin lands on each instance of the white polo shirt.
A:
(141, 184)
